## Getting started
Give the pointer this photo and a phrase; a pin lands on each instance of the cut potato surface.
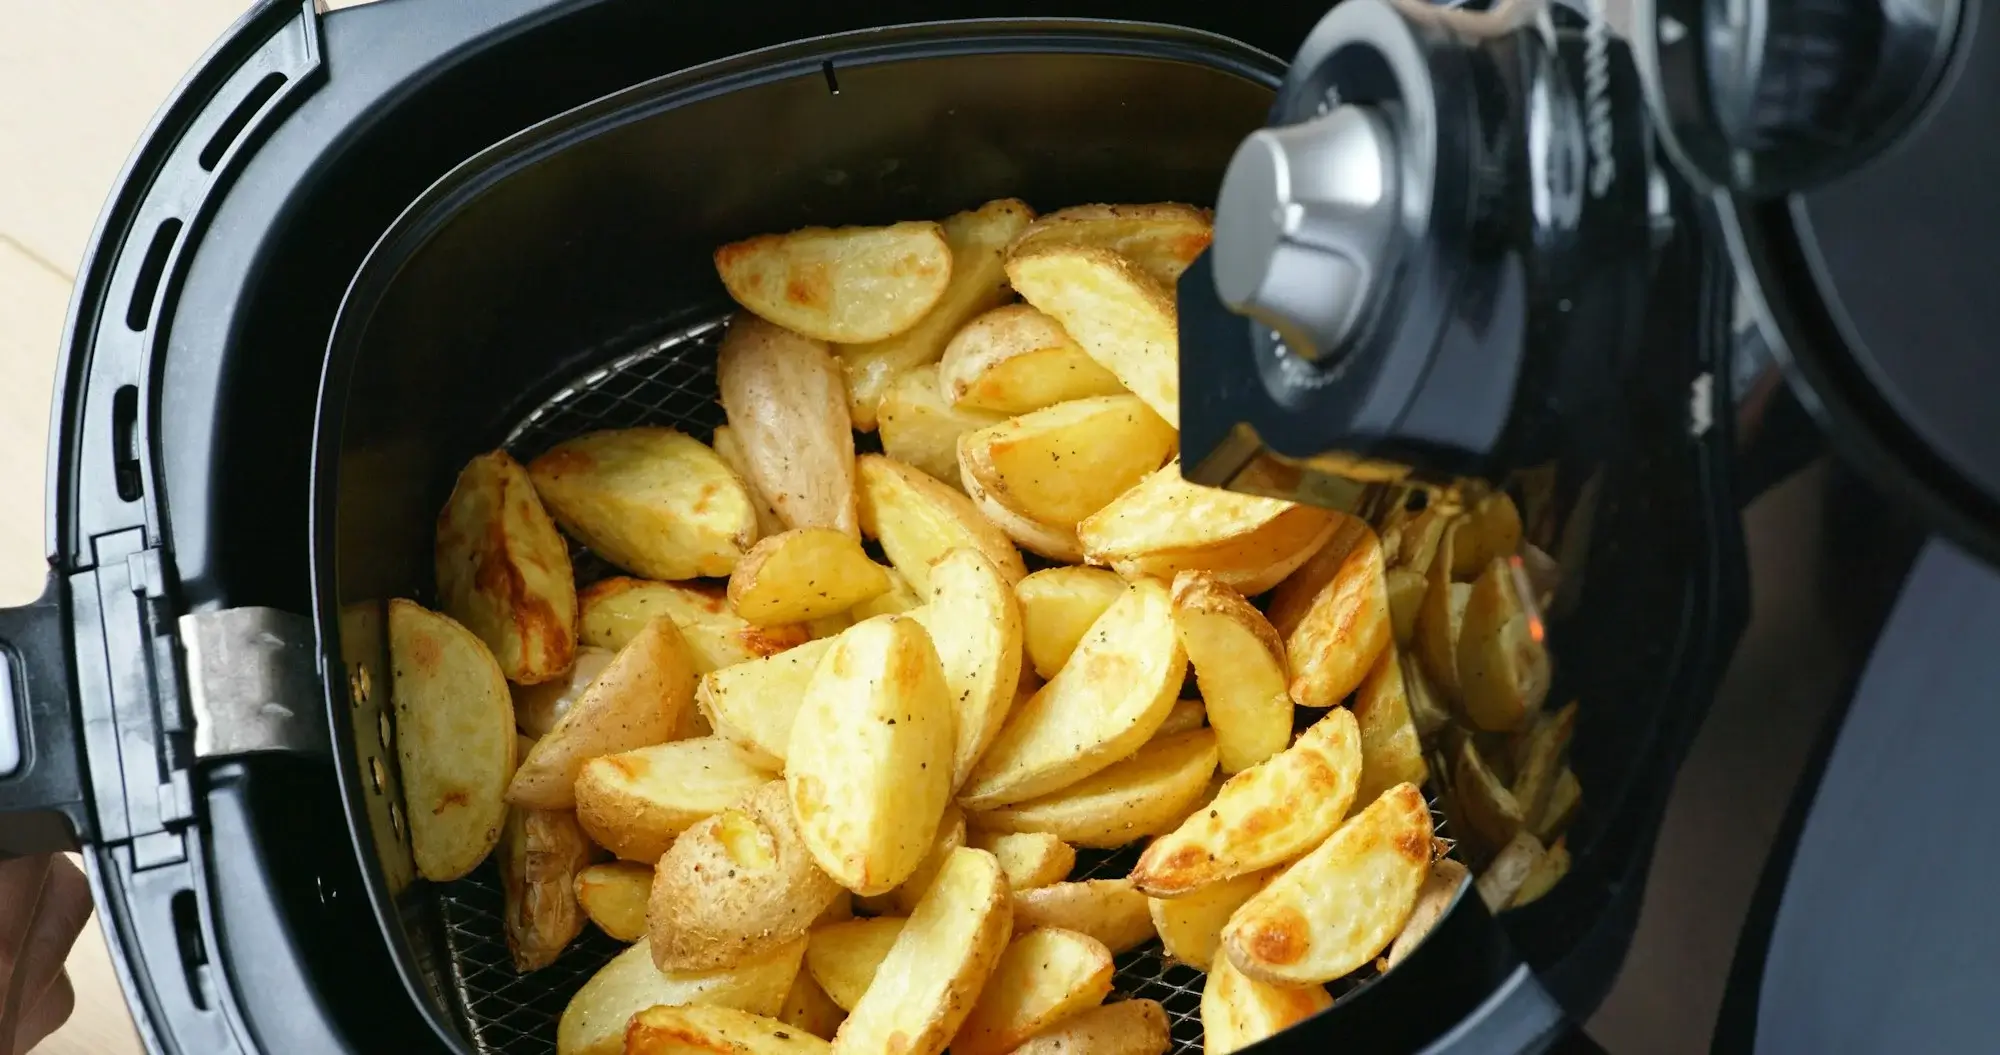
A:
(1046, 976)
(1238, 1011)
(595, 1020)
(756, 703)
(920, 427)
(1129, 1027)
(504, 573)
(1165, 525)
(1124, 318)
(843, 957)
(537, 708)
(454, 737)
(1162, 239)
(1014, 359)
(1391, 751)
(807, 1007)
(974, 622)
(1239, 662)
(1110, 910)
(1047, 540)
(1146, 794)
(1060, 464)
(1029, 859)
(614, 896)
(900, 597)
(1503, 667)
(636, 802)
(616, 609)
(788, 414)
(1058, 606)
(1191, 925)
(1186, 717)
(803, 574)
(1346, 626)
(641, 699)
(919, 519)
(847, 284)
(951, 835)
(653, 501)
(699, 1030)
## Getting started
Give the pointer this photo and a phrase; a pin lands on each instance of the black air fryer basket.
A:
(360, 247)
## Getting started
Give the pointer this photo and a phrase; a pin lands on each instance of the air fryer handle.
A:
(41, 782)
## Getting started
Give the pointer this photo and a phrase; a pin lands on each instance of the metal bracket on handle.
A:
(253, 682)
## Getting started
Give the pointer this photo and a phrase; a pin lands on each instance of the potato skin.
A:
(653, 501)
(454, 737)
(788, 412)
(541, 851)
(504, 572)
(849, 284)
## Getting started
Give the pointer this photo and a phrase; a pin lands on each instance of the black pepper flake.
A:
(892, 721)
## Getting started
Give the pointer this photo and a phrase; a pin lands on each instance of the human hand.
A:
(44, 903)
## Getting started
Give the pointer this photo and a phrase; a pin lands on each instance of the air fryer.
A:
(359, 247)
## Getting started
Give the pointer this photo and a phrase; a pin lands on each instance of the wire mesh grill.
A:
(671, 381)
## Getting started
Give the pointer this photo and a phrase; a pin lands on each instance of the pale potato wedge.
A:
(869, 764)
(843, 957)
(847, 284)
(788, 410)
(1489, 531)
(950, 836)
(1427, 711)
(900, 597)
(1128, 1027)
(614, 895)
(594, 1021)
(635, 803)
(641, 699)
(699, 1030)
(807, 1007)
(1509, 872)
(755, 703)
(803, 574)
(1406, 598)
(919, 519)
(1186, 717)
(1441, 617)
(1014, 359)
(1267, 814)
(1538, 759)
(1110, 910)
(1162, 238)
(1029, 859)
(919, 427)
(1106, 701)
(1190, 926)
(927, 984)
(1239, 662)
(1543, 877)
(503, 571)
(978, 239)
(1503, 666)
(1047, 540)
(1124, 318)
(1391, 751)
(653, 501)
(1439, 891)
(537, 708)
(541, 852)
(616, 609)
(1060, 464)
(1238, 1010)
(1482, 798)
(974, 622)
(1342, 904)
(1345, 628)
(1146, 794)
(830, 625)
(727, 448)
(1165, 525)
(735, 885)
(1563, 802)
(1058, 606)
(1045, 977)
(454, 737)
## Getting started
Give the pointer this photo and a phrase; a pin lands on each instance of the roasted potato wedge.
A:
(1186, 717)
(1143, 795)
(1046, 976)
(616, 609)
(1128, 1027)
(1165, 525)
(1543, 877)
(1503, 667)
(614, 895)
(699, 1030)
(1060, 464)
(1110, 910)
(1406, 598)
(1482, 797)
(503, 572)
(1440, 619)
(653, 501)
(1296, 593)
(847, 284)
(950, 836)
(926, 986)
(1538, 759)
(1440, 889)
(1047, 540)
(635, 803)
(641, 699)
(1190, 926)
(736, 885)
(900, 597)
(1391, 751)
(454, 737)
(731, 452)
(1563, 801)
(1427, 711)
(1509, 872)
(1104, 703)
(843, 957)
(537, 708)
(869, 765)
(1238, 1010)
(1418, 536)
(919, 427)
(1239, 662)
(1162, 239)
(1029, 859)
(919, 519)
(1121, 316)
(755, 703)
(541, 851)
(1270, 813)
(1489, 531)
(1014, 359)
(1346, 628)
(1058, 606)
(788, 410)
(1342, 904)
(595, 1020)
(974, 622)
(802, 575)
(978, 239)
(807, 1007)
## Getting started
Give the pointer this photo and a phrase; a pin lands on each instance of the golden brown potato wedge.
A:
(788, 411)
(1146, 794)
(653, 501)
(1482, 797)
(1509, 872)
(614, 895)
(541, 852)
(1186, 717)
(1420, 536)
(1030, 859)
(735, 886)
(1440, 618)
(1238, 1010)
(1015, 359)
(1489, 531)
(843, 957)
(595, 1020)
(1239, 662)
(978, 240)
(1543, 877)
(1060, 464)
(1406, 598)
(927, 984)
(950, 836)
(847, 284)
(641, 699)
(1128, 1027)
(1045, 977)
(1343, 903)
(1346, 628)
(1058, 606)
(503, 572)
(974, 622)
(802, 575)
(1162, 239)
(807, 1007)
(1427, 711)
(731, 452)
(1503, 667)
(900, 597)
(919, 519)
(454, 737)
(869, 765)
(537, 708)
(1267, 814)
(1166, 525)
(1104, 703)
(1294, 596)
(635, 803)
(699, 1030)
(1047, 540)
(1538, 760)
(1110, 910)
(1391, 751)
(1124, 318)
(1439, 891)
(755, 703)
(919, 427)
(1563, 801)
(616, 609)
(1190, 926)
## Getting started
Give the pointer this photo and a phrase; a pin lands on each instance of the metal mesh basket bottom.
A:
(671, 381)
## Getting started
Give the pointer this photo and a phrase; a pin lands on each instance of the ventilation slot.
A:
(125, 442)
(140, 310)
(194, 952)
(239, 119)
